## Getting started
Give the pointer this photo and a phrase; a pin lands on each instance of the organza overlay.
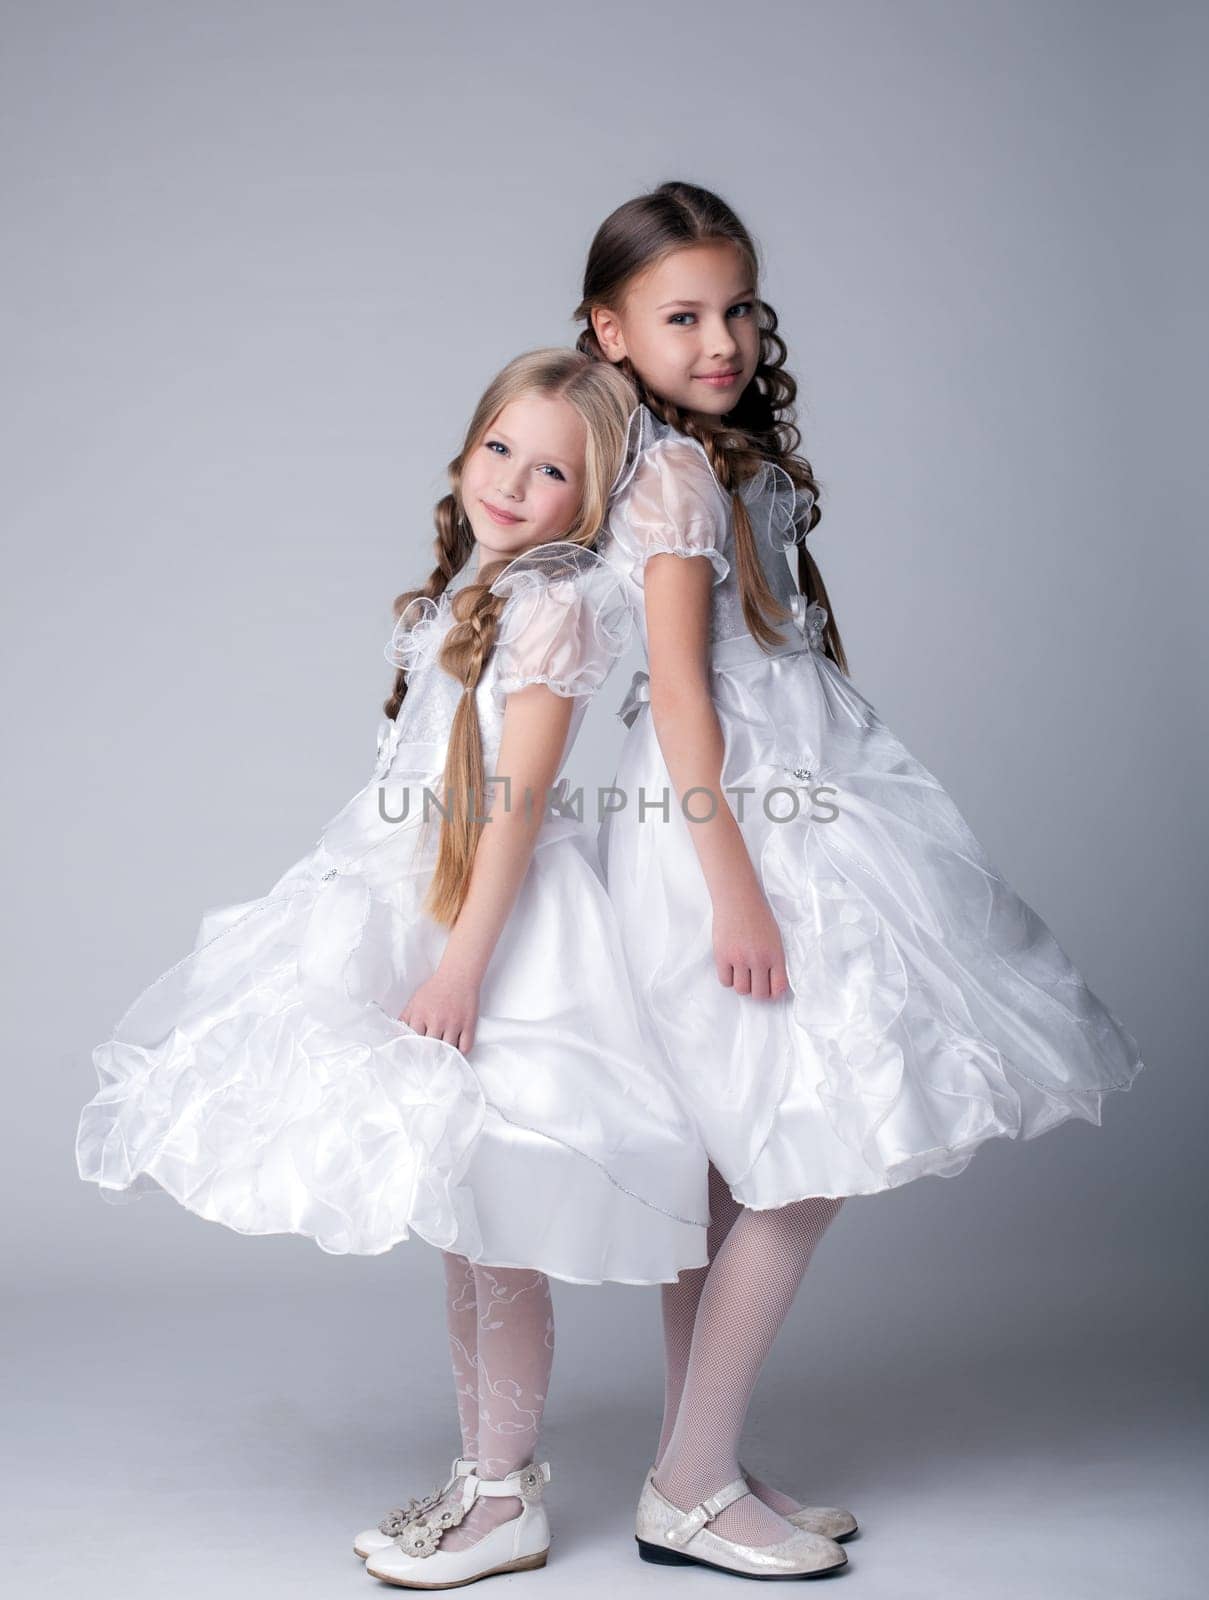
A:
(930, 1009)
(267, 1082)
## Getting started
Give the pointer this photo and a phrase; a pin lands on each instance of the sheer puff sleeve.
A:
(667, 500)
(566, 620)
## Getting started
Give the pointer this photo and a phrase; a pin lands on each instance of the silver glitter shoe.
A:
(671, 1537)
(833, 1522)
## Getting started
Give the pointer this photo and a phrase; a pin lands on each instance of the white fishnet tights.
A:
(719, 1323)
(501, 1341)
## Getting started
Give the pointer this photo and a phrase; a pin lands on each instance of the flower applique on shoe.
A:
(414, 1559)
(370, 1540)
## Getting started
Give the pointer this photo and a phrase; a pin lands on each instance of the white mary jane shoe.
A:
(833, 1522)
(414, 1560)
(370, 1540)
(671, 1537)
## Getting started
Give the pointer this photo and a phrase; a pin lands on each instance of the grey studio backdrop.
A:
(260, 261)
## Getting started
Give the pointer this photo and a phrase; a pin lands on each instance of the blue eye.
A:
(676, 315)
(498, 445)
(743, 308)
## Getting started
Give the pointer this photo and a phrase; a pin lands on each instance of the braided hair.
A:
(604, 399)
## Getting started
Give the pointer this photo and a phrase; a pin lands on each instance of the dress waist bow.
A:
(808, 622)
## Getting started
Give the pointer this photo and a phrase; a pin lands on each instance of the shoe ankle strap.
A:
(693, 1521)
(526, 1483)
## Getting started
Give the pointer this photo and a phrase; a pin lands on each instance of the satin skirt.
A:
(266, 1082)
(929, 1007)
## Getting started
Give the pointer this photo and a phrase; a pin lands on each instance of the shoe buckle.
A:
(681, 1532)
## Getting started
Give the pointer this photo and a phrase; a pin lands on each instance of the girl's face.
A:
(523, 482)
(688, 324)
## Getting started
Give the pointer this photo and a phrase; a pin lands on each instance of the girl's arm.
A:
(748, 953)
(536, 723)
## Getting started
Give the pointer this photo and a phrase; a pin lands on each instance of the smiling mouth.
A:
(506, 518)
(720, 379)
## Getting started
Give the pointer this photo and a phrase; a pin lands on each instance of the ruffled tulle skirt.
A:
(929, 1010)
(266, 1082)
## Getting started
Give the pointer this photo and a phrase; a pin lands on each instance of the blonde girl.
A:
(424, 1026)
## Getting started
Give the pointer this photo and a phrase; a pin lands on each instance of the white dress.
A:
(929, 1008)
(267, 1083)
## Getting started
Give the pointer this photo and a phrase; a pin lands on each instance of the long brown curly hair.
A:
(760, 426)
(604, 398)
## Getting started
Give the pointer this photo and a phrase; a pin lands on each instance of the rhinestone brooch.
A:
(529, 1484)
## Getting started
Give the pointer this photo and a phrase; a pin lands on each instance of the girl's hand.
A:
(748, 952)
(445, 1006)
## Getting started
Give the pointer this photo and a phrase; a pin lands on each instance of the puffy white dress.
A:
(929, 1008)
(266, 1081)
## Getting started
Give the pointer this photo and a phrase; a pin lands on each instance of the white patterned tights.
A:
(501, 1340)
(719, 1323)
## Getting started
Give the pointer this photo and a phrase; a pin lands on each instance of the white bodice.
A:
(667, 499)
(565, 620)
